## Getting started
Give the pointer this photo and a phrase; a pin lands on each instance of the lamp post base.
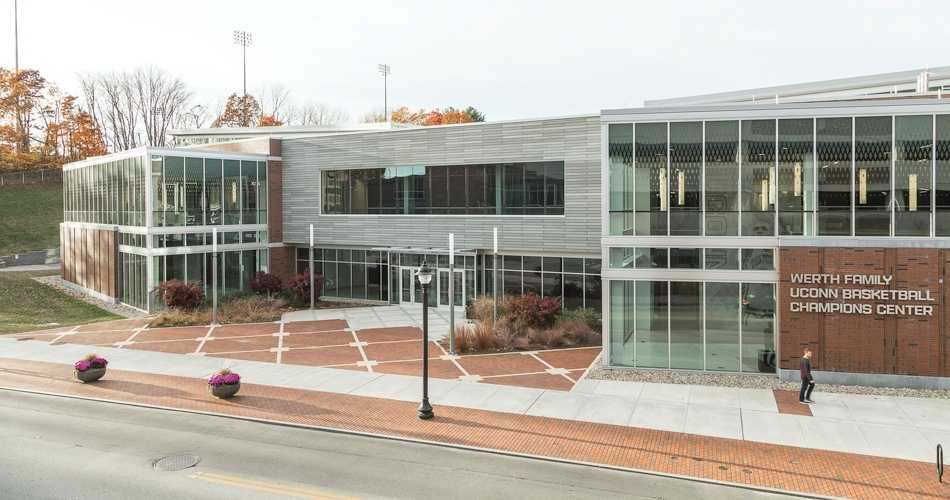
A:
(425, 410)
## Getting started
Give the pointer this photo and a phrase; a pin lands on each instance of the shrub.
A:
(299, 287)
(532, 311)
(180, 294)
(569, 333)
(266, 284)
(588, 316)
(463, 338)
(483, 337)
(240, 309)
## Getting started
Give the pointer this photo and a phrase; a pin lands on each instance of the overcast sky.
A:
(510, 59)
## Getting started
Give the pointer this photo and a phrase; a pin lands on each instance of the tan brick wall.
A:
(857, 343)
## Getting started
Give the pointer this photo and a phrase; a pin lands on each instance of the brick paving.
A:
(331, 343)
(764, 465)
(787, 402)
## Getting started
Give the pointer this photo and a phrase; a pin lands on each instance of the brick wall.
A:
(282, 262)
(866, 343)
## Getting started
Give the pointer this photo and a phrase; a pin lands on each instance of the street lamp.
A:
(384, 70)
(424, 275)
(244, 39)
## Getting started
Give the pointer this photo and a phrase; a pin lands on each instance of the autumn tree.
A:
(434, 116)
(239, 111)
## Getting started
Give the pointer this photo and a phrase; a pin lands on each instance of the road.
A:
(69, 448)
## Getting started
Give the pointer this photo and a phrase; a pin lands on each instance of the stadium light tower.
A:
(243, 38)
(384, 70)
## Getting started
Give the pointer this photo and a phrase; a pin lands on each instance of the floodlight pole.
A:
(384, 70)
(16, 39)
(243, 38)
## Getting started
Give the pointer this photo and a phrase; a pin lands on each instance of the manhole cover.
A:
(176, 462)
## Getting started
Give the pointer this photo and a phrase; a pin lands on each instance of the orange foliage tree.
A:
(39, 126)
(245, 111)
(434, 116)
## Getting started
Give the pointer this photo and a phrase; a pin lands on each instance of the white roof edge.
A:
(147, 150)
(798, 89)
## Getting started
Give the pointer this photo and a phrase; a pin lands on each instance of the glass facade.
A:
(694, 325)
(531, 188)
(111, 192)
(830, 176)
(753, 259)
(188, 193)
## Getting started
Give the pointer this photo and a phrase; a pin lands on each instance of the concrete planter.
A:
(224, 391)
(90, 375)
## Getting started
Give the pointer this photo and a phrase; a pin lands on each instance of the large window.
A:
(533, 188)
(912, 181)
(872, 176)
(722, 178)
(620, 155)
(942, 174)
(693, 325)
(833, 144)
(796, 176)
(686, 178)
(651, 185)
(112, 192)
(758, 178)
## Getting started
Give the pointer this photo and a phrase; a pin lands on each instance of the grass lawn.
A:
(30, 217)
(27, 305)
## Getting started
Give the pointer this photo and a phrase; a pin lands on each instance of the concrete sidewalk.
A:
(905, 428)
(360, 318)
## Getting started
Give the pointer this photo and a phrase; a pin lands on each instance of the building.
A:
(734, 229)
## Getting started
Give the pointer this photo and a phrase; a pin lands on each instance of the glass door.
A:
(406, 284)
(458, 290)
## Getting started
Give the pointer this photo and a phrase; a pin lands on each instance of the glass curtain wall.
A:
(686, 179)
(833, 145)
(575, 281)
(942, 174)
(722, 178)
(796, 177)
(872, 176)
(349, 273)
(913, 148)
(651, 169)
(758, 178)
(208, 191)
(715, 326)
(620, 156)
(111, 192)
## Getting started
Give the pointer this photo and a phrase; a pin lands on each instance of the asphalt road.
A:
(56, 447)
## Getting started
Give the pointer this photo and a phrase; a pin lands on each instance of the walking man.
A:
(808, 382)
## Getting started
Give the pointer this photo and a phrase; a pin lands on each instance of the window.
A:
(796, 176)
(942, 174)
(912, 179)
(833, 142)
(620, 154)
(872, 176)
(758, 178)
(525, 189)
(685, 179)
(651, 172)
(722, 178)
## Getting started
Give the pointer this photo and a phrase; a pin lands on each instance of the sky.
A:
(510, 59)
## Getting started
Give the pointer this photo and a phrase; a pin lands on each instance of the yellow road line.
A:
(267, 487)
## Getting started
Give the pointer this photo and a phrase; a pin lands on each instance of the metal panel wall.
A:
(576, 141)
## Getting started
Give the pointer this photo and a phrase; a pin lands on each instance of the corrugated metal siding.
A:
(576, 141)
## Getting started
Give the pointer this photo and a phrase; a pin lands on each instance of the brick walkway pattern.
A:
(764, 465)
(332, 344)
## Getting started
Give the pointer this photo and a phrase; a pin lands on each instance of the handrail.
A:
(939, 463)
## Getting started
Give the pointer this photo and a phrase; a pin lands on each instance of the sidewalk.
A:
(763, 465)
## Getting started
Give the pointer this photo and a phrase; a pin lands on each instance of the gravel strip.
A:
(122, 310)
(751, 381)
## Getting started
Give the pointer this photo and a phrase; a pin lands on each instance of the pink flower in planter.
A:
(82, 365)
(224, 377)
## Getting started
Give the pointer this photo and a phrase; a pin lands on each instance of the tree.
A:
(269, 121)
(315, 115)
(21, 94)
(239, 111)
(435, 116)
(124, 105)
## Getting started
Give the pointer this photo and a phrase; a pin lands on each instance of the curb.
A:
(389, 437)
